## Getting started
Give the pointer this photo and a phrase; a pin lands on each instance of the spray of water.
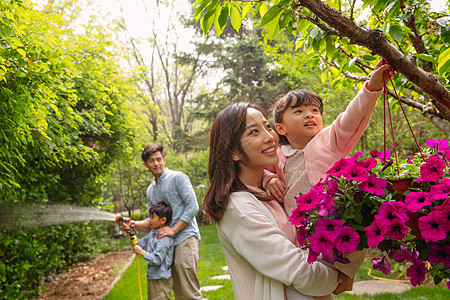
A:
(30, 217)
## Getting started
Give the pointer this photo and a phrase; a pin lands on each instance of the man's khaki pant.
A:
(186, 285)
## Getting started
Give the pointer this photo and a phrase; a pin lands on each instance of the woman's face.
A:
(259, 141)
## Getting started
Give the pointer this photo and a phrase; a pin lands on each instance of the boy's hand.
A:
(380, 76)
(345, 284)
(138, 250)
(126, 225)
(275, 188)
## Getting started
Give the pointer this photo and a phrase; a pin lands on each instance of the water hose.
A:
(133, 240)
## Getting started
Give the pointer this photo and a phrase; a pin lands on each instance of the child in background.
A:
(159, 254)
(307, 150)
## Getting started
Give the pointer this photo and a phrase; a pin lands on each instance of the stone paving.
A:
(369, 287)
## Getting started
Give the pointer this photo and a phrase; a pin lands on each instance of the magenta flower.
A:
(375, 233)
(440, 191)
(332, 186)
(368, 164)
(443, 214)
(399, 254)
(382, 264)
(431, 227)
(439, 253)
(321, 242)
(375, 153)
(397, 229)
(298, 217)
(354, 158)
(330, 226)
(312, 256)
(416, 272)
(308, 201)
(437, 144)
(354, 172)
(373, 185)
(336, 169)
(384, 156)
(348, 240)
(432, 169)
(302, 234)
(391, 210)
(415, 201)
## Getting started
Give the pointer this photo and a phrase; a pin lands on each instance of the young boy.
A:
(159, 254)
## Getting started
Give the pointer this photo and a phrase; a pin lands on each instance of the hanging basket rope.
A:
(386, 103)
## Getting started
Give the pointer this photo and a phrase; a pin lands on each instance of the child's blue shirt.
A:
(159, 255)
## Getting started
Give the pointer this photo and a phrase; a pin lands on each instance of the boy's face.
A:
(156, 222)
(156, 164)
(300, 124)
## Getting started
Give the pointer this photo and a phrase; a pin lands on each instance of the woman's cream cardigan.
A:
(260, 257)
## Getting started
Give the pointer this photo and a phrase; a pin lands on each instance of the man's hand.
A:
(345, 284)
(275, 188)
(138, 250)
(166, 231)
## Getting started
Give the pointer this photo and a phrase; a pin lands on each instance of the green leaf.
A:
(206, 22)
(444, 62)
(246, 9)
(396, 32)
(426, 57)
(200, 8)
(263, 9)
(235, 17)
(284, 19)
(223, 17)
(273, 13)
(273, 27)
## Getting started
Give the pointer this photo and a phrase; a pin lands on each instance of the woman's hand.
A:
(345, 284)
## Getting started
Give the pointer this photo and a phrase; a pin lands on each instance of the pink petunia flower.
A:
(432, 169)
(397, 229)
(312, 256)
(336, 169)
(348, 240)
(321, 242)
(330, 226)
(382, 264)
(375, 233)
(416, 272)
(415, 201)
(440, 191)
(354, 158)
(384, 156)
(391, 210)
(399, 254)
(354, 172)
(431, 227)
(373, 185)
(308, 201)
(444, 214)
(368, 164)
(437, 144)
(439, 253)
(298, 217)
(302, 234)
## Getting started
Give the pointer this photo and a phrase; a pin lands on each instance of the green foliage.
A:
(27, 256)
(63, 105)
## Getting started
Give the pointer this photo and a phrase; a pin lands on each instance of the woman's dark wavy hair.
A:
(293, 99)
(225, 139)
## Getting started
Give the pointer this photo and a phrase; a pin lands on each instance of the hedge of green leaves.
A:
(63, 111)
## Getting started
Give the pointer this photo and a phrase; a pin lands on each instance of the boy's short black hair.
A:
(162, 210)
(150, 149)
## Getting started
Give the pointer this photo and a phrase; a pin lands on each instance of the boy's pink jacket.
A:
(333, 142)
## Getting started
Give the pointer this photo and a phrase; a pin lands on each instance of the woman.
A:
(257, 240)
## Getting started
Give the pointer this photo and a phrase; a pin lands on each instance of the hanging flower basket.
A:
(364, 204)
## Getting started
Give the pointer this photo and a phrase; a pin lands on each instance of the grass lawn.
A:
(212, 261)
